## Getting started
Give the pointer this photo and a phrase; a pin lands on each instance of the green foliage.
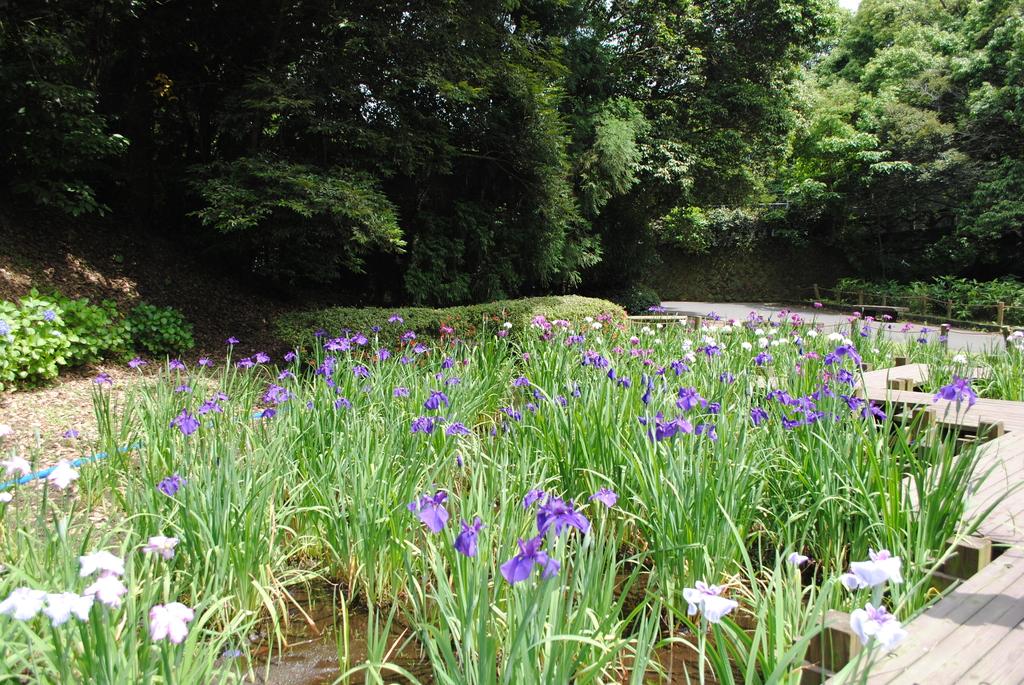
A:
(40, 334)
(969, 299)
(637, 299)
(467, 322)
(54, 133)
(908, 147)
(302, 222)
(159, 331)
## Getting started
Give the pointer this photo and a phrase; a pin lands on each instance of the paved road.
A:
(973, 341)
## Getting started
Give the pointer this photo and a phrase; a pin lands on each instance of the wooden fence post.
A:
(944, 336)
(817, 293)
(924, 304)
(1000, 312)
(949, 309)
(836, 645)
(860, 298)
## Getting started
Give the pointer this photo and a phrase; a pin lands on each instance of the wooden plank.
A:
(958, 652)
(929, 630)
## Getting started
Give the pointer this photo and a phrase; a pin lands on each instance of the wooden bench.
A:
(879, 310)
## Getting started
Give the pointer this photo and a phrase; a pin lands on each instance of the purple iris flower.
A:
(789, 424)
(419, 348)
(457, 429)
(360, 371)
(171, 484)
(210, 406)
(531, 497)
(290, 356)
(205, 362)
(957, 391)
(245, 363)
(276, 394)
(232, 340)
(758, 415)
(520, 382)
(184, 387)
(447, 363)
(556, 512)
(430, 510)
(383, 354)
(454, 380)
(395, 318)
(762, 358)
(185, 422)
(268, 413)
(341, 402)
(71, 433)
(436, 399)
(690, 398)
(423, 424)
(359, 339)
(103, 379)
(512, 413)
(844, 376)
(400, 392)
(872, 410)
(706, 429)
(680, 367)
(726, 377)
(466, 541)
(606, 497)
(261, 358)
(136, 363)
(854, 403)
(519, 567)
(175, 365)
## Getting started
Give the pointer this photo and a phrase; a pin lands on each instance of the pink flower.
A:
(168, 621)
(23, 603)
(103, 561)
(63, 475)
(164, 546)
(108, 590)
(60, 607)
(16, 466)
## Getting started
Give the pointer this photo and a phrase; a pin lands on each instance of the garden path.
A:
(959, 339)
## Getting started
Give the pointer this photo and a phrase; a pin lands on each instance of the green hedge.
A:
(964, 299)
(468, 321)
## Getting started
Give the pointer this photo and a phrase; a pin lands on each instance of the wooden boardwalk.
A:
(975, 634)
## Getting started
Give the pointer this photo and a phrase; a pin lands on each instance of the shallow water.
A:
(311, 657)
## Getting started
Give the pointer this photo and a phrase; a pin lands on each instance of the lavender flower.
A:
(171, 484)
(708, 600)
(423, 424)
(466, 541)
(957, 391)
(185, 422)
(877, 623)
(560, 514)
(137, 363)
(430, 511)
(457, 429)
(436, 399)
(606, 497)
(880, 567)
(519, 567)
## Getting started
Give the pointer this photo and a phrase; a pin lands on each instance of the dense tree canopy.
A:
(440, 151)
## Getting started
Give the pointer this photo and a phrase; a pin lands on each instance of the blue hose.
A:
(74, 464)
(81, 461)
